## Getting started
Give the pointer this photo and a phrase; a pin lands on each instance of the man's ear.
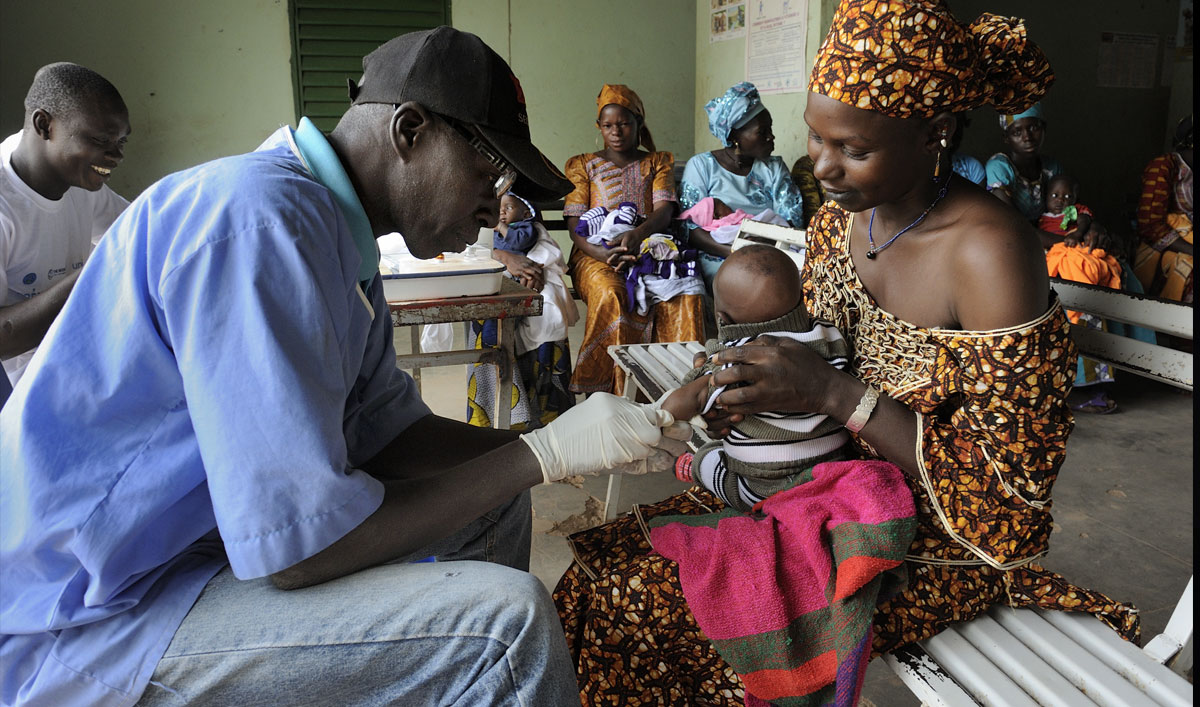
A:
(941, 127)
(410, 125)
(41, 123)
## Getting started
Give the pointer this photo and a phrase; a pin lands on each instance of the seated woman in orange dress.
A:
(618, 173)
(960, 366)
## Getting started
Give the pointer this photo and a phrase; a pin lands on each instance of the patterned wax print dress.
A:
(993, 427)
(610, 320)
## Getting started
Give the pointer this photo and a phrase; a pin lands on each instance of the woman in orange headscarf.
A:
(961, 365)
(622, 172)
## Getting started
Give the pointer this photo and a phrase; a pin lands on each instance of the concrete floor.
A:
(1122, 503)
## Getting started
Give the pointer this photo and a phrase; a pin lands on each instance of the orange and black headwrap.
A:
(622, 95)
(912, 58)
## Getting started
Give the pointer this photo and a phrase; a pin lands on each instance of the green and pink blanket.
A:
(787, 594)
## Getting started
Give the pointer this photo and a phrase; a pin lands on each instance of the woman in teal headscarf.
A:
(741, 175)
(1020, 174)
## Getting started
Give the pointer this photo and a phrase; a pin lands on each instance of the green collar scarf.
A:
(323, 162)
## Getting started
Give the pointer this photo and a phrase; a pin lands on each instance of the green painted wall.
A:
(201, 79)
(558, 51)
(212, 78)
(719, 65)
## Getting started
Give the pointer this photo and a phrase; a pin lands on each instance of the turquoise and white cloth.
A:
(1033, 111)
(732, 110)
(968, 168)
(769, 185)
(1028, 195)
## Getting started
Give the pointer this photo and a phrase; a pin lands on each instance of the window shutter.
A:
(330, 38)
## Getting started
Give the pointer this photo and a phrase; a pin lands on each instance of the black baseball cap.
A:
(455, 74)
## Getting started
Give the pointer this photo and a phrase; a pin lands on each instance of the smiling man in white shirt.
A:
(54, 202)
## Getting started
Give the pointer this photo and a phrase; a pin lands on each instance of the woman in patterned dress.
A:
(622, 172)
(954, 327)
(1164, 257)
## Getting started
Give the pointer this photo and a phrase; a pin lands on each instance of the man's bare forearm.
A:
(418, 511)
(433, 445)
(23, 325)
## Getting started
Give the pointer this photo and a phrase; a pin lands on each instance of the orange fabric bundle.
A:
(1082, 264)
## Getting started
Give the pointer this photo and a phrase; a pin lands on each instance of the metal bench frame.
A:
(1012, 656)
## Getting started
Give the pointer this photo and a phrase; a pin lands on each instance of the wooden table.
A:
(513, 301)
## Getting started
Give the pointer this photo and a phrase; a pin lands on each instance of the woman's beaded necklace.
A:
(875, 250)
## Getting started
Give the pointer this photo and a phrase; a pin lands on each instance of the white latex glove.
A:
(663, 456)
(605, 434)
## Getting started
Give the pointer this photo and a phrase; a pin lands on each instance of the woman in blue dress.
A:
(741, 175)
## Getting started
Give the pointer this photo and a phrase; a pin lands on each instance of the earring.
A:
(937, 166)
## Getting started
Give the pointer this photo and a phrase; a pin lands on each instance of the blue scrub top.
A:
(205, 397)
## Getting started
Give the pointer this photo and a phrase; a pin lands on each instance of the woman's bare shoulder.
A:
(1000, 265)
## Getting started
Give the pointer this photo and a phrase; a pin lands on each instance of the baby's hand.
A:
(1096, 237)
(720, 209)
(528, 272)
(686, 401)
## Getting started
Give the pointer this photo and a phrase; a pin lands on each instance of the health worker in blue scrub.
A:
(214, 481)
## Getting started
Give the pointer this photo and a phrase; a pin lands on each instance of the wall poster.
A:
(775, 45)
(1127, 60)
(727, 20)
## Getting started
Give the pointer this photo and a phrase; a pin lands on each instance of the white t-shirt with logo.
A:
(42, 240)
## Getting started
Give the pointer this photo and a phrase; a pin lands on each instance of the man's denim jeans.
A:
(456, 631)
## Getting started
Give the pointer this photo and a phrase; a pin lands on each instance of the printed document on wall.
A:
(1127, 60)
(776, 34)
(727, 20)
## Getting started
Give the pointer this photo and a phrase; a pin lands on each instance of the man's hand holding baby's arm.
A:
(607, 434)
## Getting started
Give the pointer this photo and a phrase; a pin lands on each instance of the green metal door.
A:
(330, 38)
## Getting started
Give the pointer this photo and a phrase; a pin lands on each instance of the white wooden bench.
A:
(1014, 656)
(790, 240)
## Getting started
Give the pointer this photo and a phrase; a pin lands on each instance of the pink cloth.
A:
(787, 595)
(702, 215)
